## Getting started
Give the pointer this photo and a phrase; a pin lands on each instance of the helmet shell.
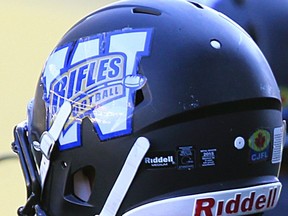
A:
(201, 84)
(266, 22)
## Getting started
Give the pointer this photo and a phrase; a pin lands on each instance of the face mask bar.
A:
(21, 146)
(35, 181)
(32, 178)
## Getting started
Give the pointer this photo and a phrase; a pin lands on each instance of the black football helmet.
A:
(266, 21)
(156, 107)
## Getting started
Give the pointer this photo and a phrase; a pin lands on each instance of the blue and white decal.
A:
(98, 76)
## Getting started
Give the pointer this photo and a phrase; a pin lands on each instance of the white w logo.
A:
(99, 79)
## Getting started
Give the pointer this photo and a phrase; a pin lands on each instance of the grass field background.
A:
(29, 31)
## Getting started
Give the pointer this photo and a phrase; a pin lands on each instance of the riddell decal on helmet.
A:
(259, 143)
(159, 160)
(98, 76)
(245, 202)
(238, 201)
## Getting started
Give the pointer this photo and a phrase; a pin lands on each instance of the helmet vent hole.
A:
(239, 2)
(148, 11)
(83, 182)
(197, 5)
(215, 44)
(139, 97)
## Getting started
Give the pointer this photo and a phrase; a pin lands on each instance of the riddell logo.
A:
(159, 160)
(239, 204)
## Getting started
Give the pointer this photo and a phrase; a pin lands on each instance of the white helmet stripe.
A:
(125, 177)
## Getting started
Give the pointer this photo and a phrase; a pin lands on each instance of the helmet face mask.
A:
(146, 100)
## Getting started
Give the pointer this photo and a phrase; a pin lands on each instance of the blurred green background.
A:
(29, 31)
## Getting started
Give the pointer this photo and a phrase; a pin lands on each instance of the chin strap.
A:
(125, 177)
(48, 139)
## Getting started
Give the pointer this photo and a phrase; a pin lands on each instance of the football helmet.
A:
(266, 21)
(156, 107)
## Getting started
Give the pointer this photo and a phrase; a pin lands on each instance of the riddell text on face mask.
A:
(239, 204)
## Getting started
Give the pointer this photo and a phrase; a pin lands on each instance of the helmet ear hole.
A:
(83, 183)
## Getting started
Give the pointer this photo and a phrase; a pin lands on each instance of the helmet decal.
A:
(259, 143)
(98, 76)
